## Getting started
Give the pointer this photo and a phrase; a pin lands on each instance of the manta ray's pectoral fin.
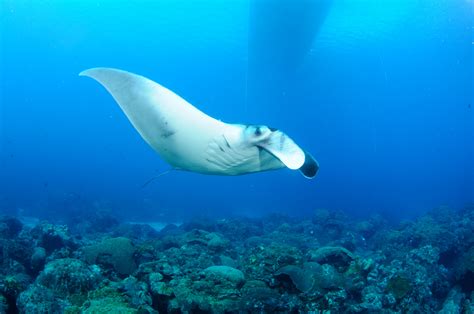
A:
(290, 154)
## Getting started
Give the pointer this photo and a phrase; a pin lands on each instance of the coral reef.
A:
(327, 263)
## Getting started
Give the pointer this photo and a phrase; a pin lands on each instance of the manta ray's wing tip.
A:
(90, 72)
(85, 72)
(104, 75)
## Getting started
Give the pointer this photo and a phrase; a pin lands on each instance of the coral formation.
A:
(39, 299)
(118, 252)
(324, 264)
(69, 276)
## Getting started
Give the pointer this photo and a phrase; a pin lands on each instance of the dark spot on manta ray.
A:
(167, 134)
(165, 130)
(272, 129)
(226, 142)
(258, 132)
(260, 152)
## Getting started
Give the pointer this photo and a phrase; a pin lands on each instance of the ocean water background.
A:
(380, 93)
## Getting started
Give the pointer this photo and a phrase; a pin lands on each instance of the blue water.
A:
(380, 94)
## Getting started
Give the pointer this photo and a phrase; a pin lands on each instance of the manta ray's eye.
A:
(258, 131)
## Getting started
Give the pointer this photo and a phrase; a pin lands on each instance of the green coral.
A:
(255, 291)
(158, 286)
(336, 256)
(224, 273)
(39, 299)
(262, 261)
(399, 286)
(212, 240)
(312, 277)
(11, 285)
(360, 266)
(69, 278)
(117, 252)
(216, 290)
(106, 300)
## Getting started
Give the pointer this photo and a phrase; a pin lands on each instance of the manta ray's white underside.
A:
(188, 139)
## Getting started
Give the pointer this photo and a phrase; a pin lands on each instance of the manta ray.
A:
(190, 140)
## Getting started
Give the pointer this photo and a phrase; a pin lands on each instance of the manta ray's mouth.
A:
(284, 148)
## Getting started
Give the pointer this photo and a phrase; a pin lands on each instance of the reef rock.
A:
(10, 227)
(312, 277)
(108, 300)
(210, 239)
(257, 296)
(69, 276)
(336, 256)
(224, 273)
(38, 258)
(39, 299)
(453, 303)
(141, 232)
(114, 252)
(217, 290)
(52, 237)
